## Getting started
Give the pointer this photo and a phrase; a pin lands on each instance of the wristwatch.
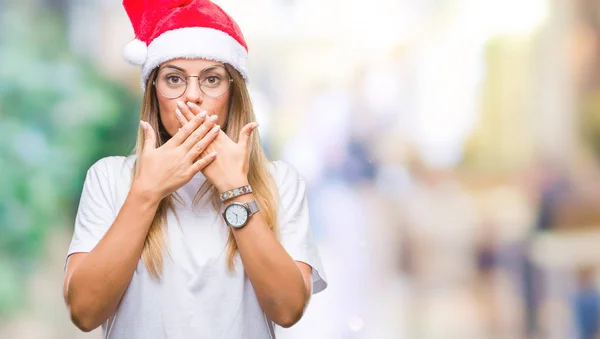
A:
(237, 214)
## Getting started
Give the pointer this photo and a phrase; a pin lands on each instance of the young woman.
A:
(197, 234)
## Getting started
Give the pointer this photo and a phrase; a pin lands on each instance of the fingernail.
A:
(205, 112)
(216, 129)
(180, 104)
(142, 125)
(192, 105)
(199, 116)
(213, 118)
(255, 126)
(213, 154)
(178, 113)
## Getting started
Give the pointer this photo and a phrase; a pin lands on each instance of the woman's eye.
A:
(174, 79)
(212, 80)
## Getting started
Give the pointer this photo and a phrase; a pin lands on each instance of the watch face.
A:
(236, 215)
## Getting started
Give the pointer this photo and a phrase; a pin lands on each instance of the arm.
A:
(95, 281)
(282, 285)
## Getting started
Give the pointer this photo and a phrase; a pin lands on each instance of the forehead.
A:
(191, 65)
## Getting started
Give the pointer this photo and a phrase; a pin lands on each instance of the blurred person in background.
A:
(553, 188)
(586, 304)
(196, 234)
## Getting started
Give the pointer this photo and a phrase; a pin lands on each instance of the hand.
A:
(165, 169)
(230, 169)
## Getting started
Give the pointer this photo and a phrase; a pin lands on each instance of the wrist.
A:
(242, 199)
(144, 194)
(231, 184)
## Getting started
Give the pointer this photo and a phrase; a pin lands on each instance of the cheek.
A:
(222, 118)
(221, 108)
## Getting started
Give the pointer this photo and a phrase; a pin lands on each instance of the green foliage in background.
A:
(58, 115)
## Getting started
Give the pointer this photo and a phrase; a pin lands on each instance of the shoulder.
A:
(108, 165)
(112, 169)
(290, 183)
(284, 173)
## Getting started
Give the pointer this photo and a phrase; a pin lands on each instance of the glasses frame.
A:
(199, 84)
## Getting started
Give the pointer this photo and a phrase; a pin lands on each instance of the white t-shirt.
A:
(198, 297)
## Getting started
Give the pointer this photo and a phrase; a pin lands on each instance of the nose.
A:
(193, 93)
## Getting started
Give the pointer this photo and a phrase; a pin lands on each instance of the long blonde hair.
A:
(259, 177)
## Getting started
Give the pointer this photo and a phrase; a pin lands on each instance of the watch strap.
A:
(252, 207)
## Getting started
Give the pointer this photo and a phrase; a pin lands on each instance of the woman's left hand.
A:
(229, 169)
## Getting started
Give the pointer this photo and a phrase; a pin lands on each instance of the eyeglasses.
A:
(172, 83)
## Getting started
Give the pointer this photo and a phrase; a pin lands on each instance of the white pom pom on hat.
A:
(135, 52)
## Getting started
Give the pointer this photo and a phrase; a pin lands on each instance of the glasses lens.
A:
(171, 83)
(215, 81)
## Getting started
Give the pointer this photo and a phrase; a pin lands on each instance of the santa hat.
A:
(172, 29)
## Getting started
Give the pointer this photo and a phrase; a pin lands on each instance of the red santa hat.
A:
(172, 29)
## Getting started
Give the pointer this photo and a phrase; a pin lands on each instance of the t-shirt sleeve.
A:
(295, 233)
(95, 213)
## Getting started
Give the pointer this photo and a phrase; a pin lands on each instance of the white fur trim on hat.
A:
(191, 43)
(135, 52)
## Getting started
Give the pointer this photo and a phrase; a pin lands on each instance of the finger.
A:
(245, 134)
(201, 145)
(149, 136)
(195, 109)
(180, 118)
(202, 162)
(187, 129)
(185, 110)
(199, 133)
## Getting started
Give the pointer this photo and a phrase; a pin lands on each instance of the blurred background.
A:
(451, 148)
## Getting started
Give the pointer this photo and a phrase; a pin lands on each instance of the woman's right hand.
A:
(165, 169)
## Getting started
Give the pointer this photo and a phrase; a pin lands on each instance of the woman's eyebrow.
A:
(210, 68)
(201, 72)
(175, 67)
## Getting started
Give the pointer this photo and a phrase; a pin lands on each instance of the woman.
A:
(197, 234)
